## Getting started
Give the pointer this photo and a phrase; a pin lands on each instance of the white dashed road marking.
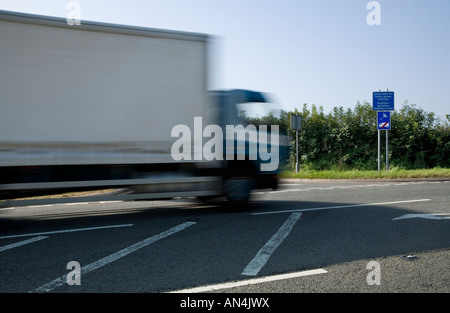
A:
(22, 243)
(66, 231)
(264, 254)
(114, 257)
(341, 207)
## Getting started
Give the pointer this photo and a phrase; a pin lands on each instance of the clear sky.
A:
(320, 52)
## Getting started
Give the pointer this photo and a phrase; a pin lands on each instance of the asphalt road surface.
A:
(315, 237)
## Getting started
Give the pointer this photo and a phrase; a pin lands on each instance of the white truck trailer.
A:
(94, 106)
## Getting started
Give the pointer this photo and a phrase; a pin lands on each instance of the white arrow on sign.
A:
(437, 216)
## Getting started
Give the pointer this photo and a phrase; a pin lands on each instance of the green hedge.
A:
(346, 139)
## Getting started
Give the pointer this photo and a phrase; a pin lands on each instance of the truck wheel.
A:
(238, 189)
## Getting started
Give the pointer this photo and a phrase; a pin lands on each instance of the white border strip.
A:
(341, 207)
(251, 281)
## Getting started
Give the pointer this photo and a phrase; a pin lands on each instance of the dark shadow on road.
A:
(321, 238)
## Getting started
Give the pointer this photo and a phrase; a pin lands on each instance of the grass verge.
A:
(358, 174)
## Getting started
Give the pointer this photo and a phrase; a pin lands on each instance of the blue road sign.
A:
(384, 120)
(383, 101)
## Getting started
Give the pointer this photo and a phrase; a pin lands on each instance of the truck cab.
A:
(250, 148)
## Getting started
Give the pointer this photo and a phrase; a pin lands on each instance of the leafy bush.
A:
(346, 139)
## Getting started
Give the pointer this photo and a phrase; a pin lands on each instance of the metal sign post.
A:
(296, 124)
(379, 150)
(384, 123)
(383, 102)
(297, 166)
(387, 150)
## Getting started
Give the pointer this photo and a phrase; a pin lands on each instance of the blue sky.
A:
(319, 52)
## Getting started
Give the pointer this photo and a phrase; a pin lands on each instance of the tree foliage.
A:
(347, 138)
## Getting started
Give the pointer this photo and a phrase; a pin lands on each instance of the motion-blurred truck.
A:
(100, 106)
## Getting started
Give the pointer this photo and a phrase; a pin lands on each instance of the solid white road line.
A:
(264, 254)
(22, 243)
(67, 231)
(341, 207)
(113, 257)
(253, 281)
